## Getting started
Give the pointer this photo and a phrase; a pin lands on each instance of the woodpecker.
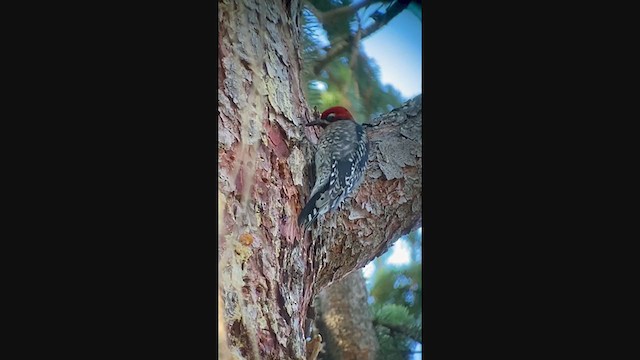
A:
(340, 162)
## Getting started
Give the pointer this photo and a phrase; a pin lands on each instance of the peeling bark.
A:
(386, 206)
(260, 107)
(267, 277)
(344, 320)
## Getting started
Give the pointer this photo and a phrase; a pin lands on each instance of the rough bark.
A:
(344, 320)
(260, 104)
(386, 206)
(266, 272)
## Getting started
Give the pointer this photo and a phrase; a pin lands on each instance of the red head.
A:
(330, 115)
(336, 113)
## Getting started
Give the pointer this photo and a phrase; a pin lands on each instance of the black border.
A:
(125, 94)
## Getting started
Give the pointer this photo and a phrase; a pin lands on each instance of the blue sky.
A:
(397, 49)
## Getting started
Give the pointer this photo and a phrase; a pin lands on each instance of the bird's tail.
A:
(312, 209)
(309, 213)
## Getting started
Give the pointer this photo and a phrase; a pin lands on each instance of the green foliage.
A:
(397, 302)
(394, 315)
(310, 54)
(399, 285)
(352, 79)
(397, 331)
(376, 98)
(338, 26)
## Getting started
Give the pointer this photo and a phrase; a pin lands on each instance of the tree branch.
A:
(354, 56)
(356, 42)
(317, 13)
(347, 10)
(387, 205)
(344, 319)
(338, 49)
(332, 15)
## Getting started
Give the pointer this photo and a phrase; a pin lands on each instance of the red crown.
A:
(339, 112)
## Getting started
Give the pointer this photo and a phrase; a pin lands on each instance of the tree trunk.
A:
(344, 320)
(269, 271)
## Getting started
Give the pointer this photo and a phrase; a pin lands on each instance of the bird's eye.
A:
(331, 116)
